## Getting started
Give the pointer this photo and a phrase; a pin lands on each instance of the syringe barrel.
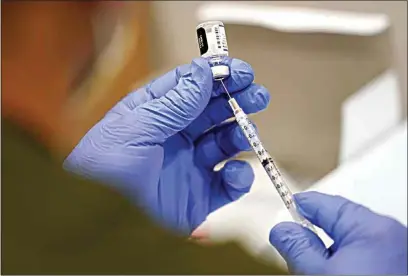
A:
(268, 164)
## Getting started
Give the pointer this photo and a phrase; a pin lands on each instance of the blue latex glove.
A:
(365, 243)
(154, 144)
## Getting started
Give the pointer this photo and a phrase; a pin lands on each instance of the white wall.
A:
(309, 76)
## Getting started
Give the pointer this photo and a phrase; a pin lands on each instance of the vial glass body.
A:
(212, 42)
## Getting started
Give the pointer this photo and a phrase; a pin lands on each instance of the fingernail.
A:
(231, 169)
(299, 197)
(243, 67)
(226, 60)
(242, 74)
(262, 99)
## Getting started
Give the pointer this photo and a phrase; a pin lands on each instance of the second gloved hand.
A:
(365, 243)
(159, 144)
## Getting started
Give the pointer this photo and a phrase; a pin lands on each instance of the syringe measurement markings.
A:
(267, 162)
(249, 131)
(271, 169)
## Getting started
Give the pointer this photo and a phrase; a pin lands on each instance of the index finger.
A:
(241, 76)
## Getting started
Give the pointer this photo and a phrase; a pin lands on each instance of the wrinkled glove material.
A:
(365, 243)
(159, 144)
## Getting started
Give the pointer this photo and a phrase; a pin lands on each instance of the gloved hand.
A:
(154, 146)
(365, 243)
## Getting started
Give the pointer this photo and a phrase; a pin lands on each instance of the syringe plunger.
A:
(234, 105)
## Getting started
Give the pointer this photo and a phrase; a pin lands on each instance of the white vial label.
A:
(212, 39)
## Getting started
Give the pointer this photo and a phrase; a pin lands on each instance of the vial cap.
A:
(220, 72)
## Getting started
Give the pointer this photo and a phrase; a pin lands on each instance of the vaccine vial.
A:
(212, 42)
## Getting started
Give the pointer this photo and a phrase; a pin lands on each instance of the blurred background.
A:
(310, 75)
(337, 72)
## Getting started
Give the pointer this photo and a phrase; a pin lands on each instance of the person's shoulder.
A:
(69, 213)
(31, 175)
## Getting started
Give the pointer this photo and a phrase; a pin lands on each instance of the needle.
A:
(225, 88)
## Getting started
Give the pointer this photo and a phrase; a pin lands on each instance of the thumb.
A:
(303, 250)
(163, 117)
(238, 177)
(336, 215)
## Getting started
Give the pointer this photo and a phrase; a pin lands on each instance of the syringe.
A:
(212, 42)
(267, 163)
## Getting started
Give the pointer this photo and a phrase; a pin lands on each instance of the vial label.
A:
(223, 38)
(202, 41)
(212, 40)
